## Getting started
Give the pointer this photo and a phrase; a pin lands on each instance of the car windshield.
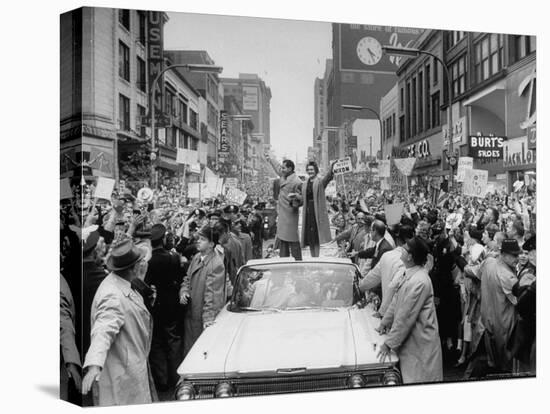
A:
(295, 286)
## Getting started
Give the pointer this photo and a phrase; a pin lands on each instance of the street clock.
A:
(369, 51)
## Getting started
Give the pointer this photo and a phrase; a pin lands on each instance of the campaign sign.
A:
(475, 183)
(231, 182)
(393, 213)
(104, 188)
(236, 196)
(464, 163)
(342, 166)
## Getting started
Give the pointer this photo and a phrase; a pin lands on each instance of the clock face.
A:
(369, 51)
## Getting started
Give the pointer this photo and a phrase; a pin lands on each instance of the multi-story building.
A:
(360, 76)
(208, 85)
(254, 97)
(107, 62)
(181, 108)
(389, 111)
(493, 94)
(421, 94)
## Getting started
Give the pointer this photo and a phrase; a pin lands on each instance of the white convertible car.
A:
(290, 326)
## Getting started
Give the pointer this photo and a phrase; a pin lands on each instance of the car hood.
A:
(287, 342)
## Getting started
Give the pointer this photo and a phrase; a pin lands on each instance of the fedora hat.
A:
(510, 246)
(124, 255)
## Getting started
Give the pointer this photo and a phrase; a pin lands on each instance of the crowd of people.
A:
(453, 282)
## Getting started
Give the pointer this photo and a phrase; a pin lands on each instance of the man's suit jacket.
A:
(371, 252)
(165, 273)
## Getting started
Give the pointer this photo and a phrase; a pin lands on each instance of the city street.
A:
(391, 173)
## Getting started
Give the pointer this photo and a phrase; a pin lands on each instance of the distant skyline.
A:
(287, 54)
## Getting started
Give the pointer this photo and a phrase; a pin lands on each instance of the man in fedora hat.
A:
(121, 333)
(498, 313)
(165, 273)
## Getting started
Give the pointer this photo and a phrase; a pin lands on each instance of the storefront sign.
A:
(419, 149)
(517, 154)
(459, 128)
(486, 147)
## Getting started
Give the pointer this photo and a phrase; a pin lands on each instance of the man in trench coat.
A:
(315, 223)
(203, 288)
(121, 333)
(412, 322)
(288, 207)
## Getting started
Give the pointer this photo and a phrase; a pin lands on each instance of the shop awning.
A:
(492, 99)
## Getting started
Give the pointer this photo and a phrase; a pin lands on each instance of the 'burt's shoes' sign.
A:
(486, 147)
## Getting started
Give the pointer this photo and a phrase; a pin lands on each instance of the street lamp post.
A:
(361, 108)
(411, 52)
(192, 68)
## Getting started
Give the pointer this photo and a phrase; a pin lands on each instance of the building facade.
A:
(254, 97)
(492, 99)
(106, 67)
(389, 115)
(208, 85)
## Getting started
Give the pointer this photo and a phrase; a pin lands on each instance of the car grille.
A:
(287, 384)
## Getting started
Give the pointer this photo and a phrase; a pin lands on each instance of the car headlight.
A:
(224, 390)
(356, 381)
(392, 378)
(185, 391)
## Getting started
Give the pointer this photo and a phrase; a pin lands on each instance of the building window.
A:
(124, 18)
(436, 71)
(141, 80)
(142, 21)
(488, 56)
(123, 61)
(408, 112)
(123, 113)
(183, 111)
(402, 128)
(455, 37)
(393, 124)
(194, 144)
(402, 100)
(169, 103)
(420, 105)
(523, 46)
(458, 76)
(436, 110)
(212, 116)
(413, 107)
(141, 115)
(427, 100)
(193, 119)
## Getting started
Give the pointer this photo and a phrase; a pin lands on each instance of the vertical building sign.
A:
(244, 133)
(223, 146)
(155, 63)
